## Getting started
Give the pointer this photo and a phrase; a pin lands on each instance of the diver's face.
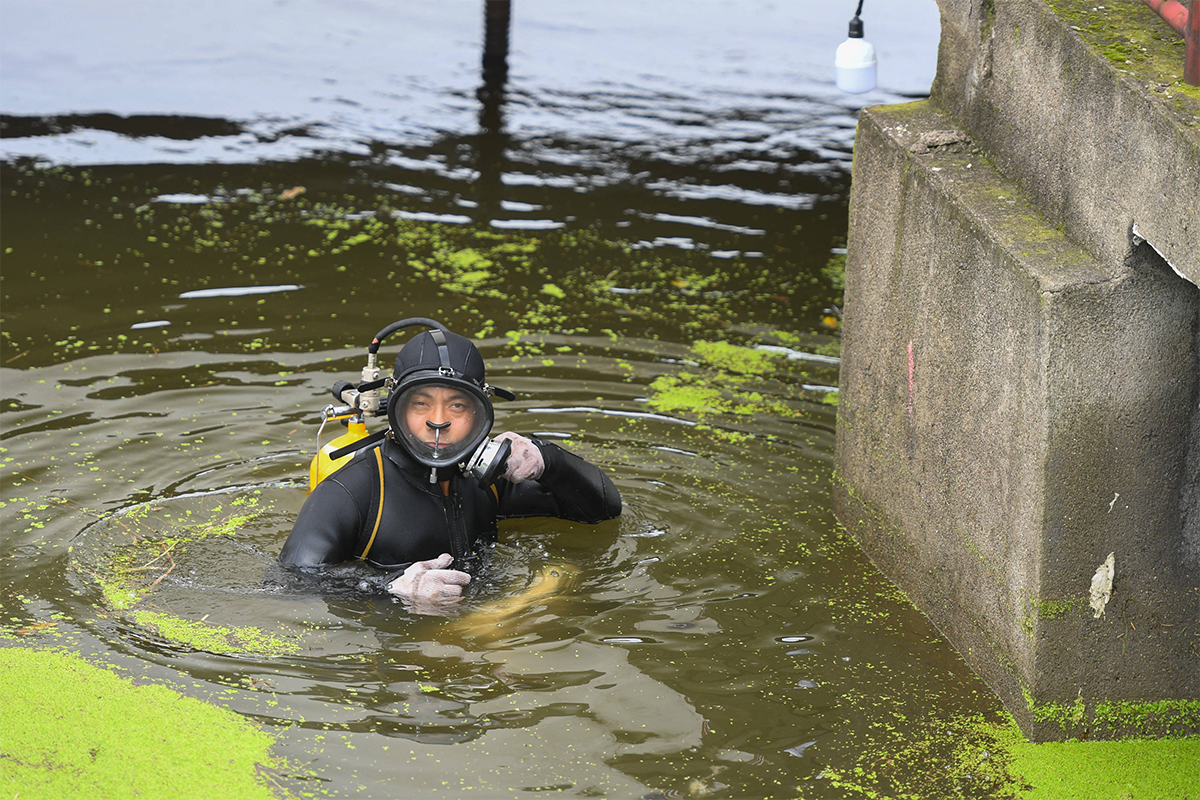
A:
(439, 416)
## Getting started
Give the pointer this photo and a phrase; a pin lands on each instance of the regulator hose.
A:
(408, 322)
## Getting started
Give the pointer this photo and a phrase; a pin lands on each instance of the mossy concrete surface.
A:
(1082, 104)
(1012, 410)
(70, 729)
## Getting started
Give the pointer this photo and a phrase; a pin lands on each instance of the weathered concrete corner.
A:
(1021, 374)
(1084, 107)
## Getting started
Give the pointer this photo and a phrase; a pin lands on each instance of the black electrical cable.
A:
(856, 26)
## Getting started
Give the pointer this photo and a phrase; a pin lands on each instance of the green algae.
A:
(126, 574)
(214, 638)
(735, 359)
(490, 280)
(1132, 769)
(1066, 716)
(733, 380)
(965, 756)
(686, 392)
(352, 253)
(97, 735)
(1147, 718)
(705, 394)
(957, 757)
(1087, 718)
(835, 271)
(130, 571)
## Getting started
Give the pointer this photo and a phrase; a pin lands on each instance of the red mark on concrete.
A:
(910, 379)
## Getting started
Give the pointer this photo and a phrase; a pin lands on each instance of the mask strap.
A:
(439, 338)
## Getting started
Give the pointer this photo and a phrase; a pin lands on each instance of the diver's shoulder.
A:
(351, 475)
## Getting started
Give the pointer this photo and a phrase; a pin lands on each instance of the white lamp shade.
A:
(855, 66)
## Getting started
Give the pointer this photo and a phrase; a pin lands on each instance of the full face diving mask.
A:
(439, 422)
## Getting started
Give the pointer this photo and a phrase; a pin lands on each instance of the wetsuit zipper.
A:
(456, 526)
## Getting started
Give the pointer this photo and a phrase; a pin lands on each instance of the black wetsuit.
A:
(341, 520)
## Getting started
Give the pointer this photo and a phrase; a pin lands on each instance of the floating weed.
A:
(199, 635)
(732, 380)
(1088, 718)
(970, 755)
(536, 281)
(126, 573)
(689, 393)
(835, 271)
(144, 741)
(1145, 769)
(736, 359)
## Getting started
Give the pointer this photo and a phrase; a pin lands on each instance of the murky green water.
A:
(657, 310)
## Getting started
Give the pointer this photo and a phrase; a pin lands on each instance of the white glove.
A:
(430, 581)
(525, 460)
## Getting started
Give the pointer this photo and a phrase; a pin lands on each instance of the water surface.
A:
(210, 208)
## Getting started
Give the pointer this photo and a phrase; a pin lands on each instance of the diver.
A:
(409, 507)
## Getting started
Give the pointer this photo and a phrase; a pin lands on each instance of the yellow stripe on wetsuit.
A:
(379, 513)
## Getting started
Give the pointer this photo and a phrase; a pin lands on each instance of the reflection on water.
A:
(642, 231)
(243, 82)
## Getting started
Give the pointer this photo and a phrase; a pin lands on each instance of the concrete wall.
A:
(1098, 144)
(1021, 375)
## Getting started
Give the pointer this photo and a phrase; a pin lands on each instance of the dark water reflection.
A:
(199, 238)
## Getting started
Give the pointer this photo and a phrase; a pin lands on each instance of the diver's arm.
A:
(326, 528)
(568, 488)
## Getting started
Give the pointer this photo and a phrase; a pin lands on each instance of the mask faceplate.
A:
(439, 421)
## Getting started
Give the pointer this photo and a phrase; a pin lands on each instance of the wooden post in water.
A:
(497, 14)
(489, 152)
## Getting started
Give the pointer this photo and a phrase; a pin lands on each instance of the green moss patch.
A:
(1136, 769)
(968, 756)
(736, 380)
(1059, 609)
(129, 554)
(1136, 41)
(72, 729)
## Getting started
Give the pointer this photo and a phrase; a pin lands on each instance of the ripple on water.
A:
(669, 630)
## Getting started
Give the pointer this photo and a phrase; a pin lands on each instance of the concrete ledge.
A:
(1012, 410)
(1082, 105)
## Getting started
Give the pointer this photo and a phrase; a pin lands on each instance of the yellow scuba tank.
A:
(359, 405)
(322, 465)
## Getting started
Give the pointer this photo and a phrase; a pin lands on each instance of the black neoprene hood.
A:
(421, 353)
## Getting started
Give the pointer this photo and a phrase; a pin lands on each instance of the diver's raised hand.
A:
(525, 462)
(430, 581)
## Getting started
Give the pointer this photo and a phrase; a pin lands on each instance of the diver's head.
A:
(439, 408)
